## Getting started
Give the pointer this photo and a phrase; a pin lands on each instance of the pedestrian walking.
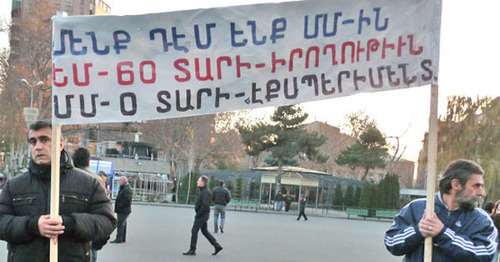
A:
(302, 208)
(202, 209)
(85, 213)
(221, 197)
(279, 201)
(460, 230)
(123, 208)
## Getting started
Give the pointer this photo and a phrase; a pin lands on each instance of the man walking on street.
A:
(460, 230)
(202, 209)
(85, 212)
(123, 209)
(220, 197)
(302, 208)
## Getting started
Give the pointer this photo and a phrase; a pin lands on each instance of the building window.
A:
(69, 9)
(81, 11)
(82, 2)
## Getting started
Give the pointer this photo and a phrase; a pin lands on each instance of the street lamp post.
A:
(32, 87)
(30, 113)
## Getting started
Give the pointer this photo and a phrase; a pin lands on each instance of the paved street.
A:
(162, 233)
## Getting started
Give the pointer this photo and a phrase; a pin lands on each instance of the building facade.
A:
(71, 7)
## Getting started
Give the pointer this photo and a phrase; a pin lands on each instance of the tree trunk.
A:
(366, 174)
(197, 165)
(174, 177)
(189, 188)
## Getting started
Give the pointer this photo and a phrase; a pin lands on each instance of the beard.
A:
(465, 201)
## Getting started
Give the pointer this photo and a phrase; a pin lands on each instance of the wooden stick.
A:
(54, 185)
(431, 166)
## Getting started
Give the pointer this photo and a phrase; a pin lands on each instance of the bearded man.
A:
(459, 229)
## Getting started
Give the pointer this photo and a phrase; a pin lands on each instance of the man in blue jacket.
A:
(460, 231)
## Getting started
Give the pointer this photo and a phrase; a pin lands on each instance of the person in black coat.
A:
(220, 197)
(85, 212)
(123, 209)
(288, 202)
(202, 209)
(302, 208)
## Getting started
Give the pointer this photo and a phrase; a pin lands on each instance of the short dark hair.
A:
(488, 207)
(81, 157)
(40, 124)
(461, 170)
(204, 179)
(221, 182)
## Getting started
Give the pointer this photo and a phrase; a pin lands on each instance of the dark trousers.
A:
(201, 223)
(302, 214)
(121, 223)
(287, 206)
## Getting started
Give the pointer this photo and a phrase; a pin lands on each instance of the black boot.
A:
(189, 253)
(218, 248)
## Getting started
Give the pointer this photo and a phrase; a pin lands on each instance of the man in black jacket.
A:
(85, 212)
(220, 197)
(302, 208)
(202, 208)
(123, 208)
(81, 160)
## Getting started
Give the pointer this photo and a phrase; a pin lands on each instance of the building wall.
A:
(101, 8)
(72, 7)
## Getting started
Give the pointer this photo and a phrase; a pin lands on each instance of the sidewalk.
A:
(313, 212)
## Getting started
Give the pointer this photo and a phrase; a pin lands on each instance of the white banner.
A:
(165, 65)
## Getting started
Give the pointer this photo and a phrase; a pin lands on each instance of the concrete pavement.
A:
(162, 233)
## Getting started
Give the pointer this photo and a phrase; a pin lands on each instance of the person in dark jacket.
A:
(460, 230)
(279, 201)
(81, 160)
(288, 202)
(85, 212)
(220, 197)
(302, 208)
(202, 209)
(123, 208)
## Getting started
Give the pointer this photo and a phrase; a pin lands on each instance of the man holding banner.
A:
(85, 212)
(460, 230)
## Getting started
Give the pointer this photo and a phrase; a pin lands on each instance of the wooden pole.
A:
(54, 185)
(431, 166)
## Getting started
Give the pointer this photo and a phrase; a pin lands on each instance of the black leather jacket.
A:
(221, 196)
(202, 206)
(86, 211)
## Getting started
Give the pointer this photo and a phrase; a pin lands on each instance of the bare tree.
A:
(28, 58)
(172, 135)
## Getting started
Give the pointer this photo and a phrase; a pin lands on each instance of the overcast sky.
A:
(469, 56)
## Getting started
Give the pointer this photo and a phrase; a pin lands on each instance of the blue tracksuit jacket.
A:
(468, 235)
